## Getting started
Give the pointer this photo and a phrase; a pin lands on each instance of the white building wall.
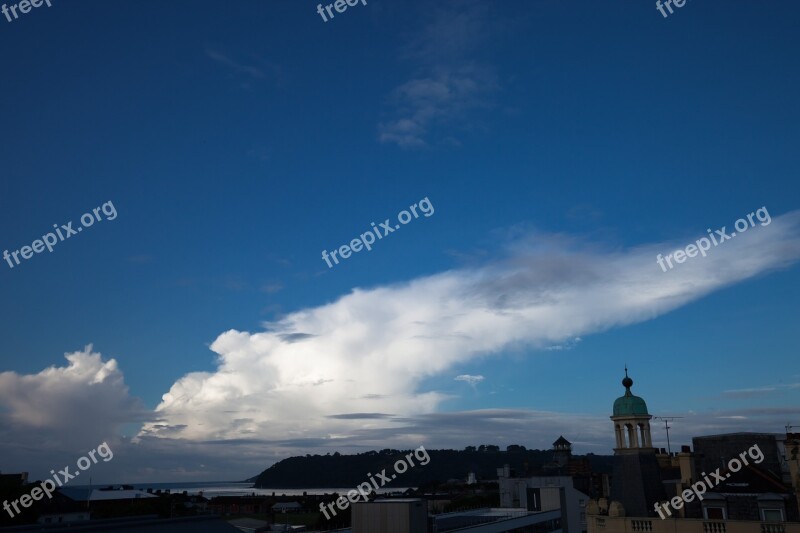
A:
(513, 493)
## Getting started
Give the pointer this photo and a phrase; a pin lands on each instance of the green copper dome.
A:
(629, 405)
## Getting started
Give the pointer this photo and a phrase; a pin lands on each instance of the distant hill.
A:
(330, 471)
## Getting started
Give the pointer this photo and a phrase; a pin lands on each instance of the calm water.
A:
(223, 488)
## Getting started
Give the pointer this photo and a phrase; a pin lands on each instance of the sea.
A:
(233, 488)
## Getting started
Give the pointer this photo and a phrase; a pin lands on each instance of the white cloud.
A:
(76, 398)
(467, 378)
(370, 350)
(568, 345)
(63, 411)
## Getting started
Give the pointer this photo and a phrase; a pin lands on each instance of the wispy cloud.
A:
(247, 70)
(441, 99)
(759, 391)
(272, 288)
(233, 283)
(449, 84)
(361, 416)
(250, 70)
(140, 259)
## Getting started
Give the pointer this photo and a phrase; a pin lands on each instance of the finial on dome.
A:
(626, 381)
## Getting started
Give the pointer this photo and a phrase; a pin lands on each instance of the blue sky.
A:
(562, 145)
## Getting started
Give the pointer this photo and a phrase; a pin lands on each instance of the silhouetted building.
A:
(410, 516)
(733, 483)
(757, 491)
(239, 505)
(11, 481)
(562, 451)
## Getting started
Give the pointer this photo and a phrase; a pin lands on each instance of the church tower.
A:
(631, 422)
(636, 480)
(562, 451)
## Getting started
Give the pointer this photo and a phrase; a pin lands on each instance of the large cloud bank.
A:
(351, 373)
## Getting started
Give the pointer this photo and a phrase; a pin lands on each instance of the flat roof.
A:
(397, 500)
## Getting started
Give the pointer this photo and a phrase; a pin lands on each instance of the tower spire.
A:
(627, 382)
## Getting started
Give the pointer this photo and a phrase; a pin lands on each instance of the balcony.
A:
(606, 524)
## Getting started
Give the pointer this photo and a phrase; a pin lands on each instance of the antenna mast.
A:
(667, 420)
